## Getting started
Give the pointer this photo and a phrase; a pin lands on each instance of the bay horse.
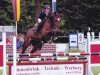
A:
(50, 28)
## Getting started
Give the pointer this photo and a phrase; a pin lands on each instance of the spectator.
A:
(20, 40)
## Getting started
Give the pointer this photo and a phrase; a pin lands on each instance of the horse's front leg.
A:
(51, 40)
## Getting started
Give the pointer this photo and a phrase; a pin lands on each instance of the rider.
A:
(20, 40)
(44, 15)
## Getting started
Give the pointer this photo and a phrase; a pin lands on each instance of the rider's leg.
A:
(39, 28)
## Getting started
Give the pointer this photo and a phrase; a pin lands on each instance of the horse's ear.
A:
(52, 14)
(59, 15)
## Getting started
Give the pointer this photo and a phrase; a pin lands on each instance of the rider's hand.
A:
(39, 20)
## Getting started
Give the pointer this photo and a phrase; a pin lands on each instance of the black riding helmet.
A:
(47, 6)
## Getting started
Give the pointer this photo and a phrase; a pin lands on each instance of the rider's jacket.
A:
(42, 16)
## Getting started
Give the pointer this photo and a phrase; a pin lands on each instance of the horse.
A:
(50, 28)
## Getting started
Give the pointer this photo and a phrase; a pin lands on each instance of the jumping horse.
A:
(49, 29)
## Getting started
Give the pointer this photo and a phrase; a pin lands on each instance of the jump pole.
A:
(4, 53)
(55, 54)
(88, 44)
(14, 55)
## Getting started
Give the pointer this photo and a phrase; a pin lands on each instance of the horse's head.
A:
(55, 20)
(50, 24)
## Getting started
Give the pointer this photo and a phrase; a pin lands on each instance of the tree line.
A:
(78, 15)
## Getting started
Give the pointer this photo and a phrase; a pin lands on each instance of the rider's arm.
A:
(41, 17)
(39, 20)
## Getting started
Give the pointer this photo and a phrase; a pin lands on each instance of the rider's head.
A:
(47, 8)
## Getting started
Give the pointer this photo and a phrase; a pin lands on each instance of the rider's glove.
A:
(39, 20)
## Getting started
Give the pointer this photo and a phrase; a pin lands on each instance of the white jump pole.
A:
(89, 72)
(92, 36)
(89, 58)
(4, 53)
(14, 55)
(99, 35)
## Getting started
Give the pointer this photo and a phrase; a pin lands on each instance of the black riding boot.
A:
(39, 28)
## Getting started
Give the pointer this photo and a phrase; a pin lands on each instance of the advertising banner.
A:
(7, 29)
(80, 38)
(73, 40)
(51, 69)
(95, 48)
(1, 55)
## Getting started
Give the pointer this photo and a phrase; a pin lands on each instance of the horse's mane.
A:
(51, 19)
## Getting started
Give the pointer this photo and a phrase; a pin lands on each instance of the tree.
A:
(6, 15)
(37, 8)
(81, 14)
(77, 14)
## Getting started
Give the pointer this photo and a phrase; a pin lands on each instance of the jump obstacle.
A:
(56, 54)
(45, 54)
(52, 56)
(49, 58)
(4, 30)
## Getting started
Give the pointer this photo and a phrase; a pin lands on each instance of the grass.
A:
(0, 71)
(95, 70)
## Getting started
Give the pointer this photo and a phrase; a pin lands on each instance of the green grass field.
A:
(0, 72)
(96, 70)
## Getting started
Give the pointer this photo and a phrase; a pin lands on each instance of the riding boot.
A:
(39, 28)
(37, 31)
